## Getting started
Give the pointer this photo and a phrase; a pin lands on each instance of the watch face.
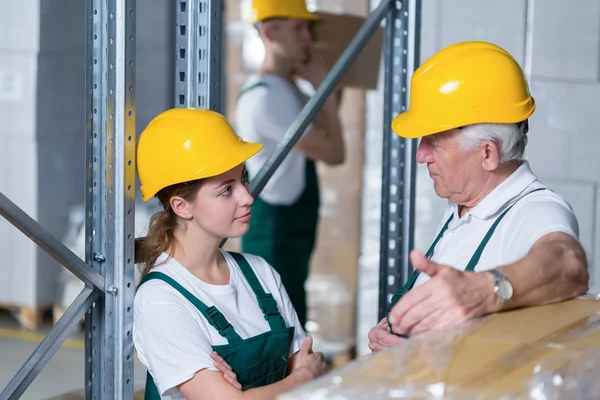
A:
(505, 289)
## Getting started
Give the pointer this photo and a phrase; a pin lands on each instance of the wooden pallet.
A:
(57, 313)
(29, 318)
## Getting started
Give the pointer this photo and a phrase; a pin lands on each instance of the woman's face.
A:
(222, 205)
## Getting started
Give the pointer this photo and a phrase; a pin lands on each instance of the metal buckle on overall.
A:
(268, 305)
(218, 319)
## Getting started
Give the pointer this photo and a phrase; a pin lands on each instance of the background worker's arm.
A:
(324, 141)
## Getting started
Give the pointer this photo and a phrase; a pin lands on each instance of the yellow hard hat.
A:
(185, 144)
(466, 83)
(267, 9)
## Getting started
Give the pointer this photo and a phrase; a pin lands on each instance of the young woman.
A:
(209, 324)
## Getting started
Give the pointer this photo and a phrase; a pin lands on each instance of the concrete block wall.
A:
(60, 131)
(155, 77)
(19, 45)
(42, 135)
(155, 64)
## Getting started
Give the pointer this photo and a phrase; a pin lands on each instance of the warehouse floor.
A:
(63, 377)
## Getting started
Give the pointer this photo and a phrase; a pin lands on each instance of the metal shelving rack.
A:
(108, 271)
(398, 162)
(199, 48)
(110, 82)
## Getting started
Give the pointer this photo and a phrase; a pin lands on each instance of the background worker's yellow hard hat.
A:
(267, 9)
(185, 144)
(466, 83)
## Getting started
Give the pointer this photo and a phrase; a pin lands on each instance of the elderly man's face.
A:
(457, 174)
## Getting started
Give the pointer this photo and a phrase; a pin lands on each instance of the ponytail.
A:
(161, 232)
(158, 240)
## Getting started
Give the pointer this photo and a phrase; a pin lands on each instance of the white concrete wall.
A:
(19, 46)
(42, 123)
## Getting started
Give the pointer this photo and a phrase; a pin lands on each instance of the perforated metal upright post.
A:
(398, 175)
(110, 195)
(199, 76)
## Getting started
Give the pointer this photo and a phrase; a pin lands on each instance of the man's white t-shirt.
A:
(535, 214)
(174, 340)
(263, 115)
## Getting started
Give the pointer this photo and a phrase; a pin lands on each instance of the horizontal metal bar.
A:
(49, 243)
(51, 343)
(315, 103)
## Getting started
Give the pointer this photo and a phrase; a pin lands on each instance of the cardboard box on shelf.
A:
(332, 35)
(539, 352)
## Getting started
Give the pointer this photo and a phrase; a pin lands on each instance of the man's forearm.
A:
(333, 128)
(554, 270)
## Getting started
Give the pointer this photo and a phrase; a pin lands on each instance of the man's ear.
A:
(490, 155)
(268, 30)
(181, 207)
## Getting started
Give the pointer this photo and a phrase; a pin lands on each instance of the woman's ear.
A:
(181, 207)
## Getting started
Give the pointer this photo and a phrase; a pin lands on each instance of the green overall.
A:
(258, 361)
(285, 235)
(470, 265)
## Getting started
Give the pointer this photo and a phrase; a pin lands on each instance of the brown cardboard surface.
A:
(535, 323)
(502, 355)
(338, 240)
(334, 32)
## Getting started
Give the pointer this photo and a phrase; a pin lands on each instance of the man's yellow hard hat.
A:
(466, 83)
(267, 9)
(185, 144)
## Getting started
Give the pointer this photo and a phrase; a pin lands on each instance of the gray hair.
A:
(510, 138)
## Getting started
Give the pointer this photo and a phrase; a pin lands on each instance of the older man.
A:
(506, 240)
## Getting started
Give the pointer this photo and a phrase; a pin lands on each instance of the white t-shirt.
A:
(263, 115)
(174, 340)
(533, 216)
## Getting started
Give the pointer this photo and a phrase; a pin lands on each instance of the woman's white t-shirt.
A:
(174, 340)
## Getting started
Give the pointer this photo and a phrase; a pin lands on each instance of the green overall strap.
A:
(252, 87)
(415, 274)
(477, 255)
(470, 266)
(213, 316)
(266, 301)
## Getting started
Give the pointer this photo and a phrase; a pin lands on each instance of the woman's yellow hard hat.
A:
(185, 144)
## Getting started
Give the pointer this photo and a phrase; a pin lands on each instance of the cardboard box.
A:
(540, 352)
(331, 290)
(334, 32)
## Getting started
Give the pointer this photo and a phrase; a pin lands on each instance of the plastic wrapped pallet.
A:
(548, 352)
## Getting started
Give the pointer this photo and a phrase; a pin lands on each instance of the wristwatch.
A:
(502, 286)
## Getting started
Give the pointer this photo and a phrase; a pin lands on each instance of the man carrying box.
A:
(285, 216)
(506, 240)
